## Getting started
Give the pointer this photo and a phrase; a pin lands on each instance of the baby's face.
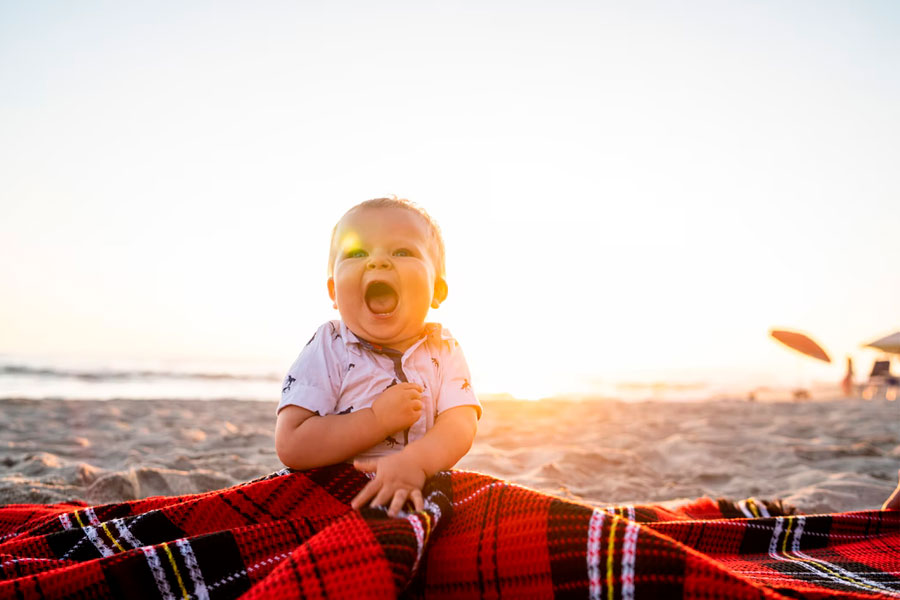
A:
(385, 277)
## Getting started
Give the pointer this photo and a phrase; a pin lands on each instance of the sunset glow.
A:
(628, 195)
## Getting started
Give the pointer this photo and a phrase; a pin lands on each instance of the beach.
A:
(819, 456)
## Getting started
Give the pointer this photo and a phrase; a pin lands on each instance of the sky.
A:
(629, 192)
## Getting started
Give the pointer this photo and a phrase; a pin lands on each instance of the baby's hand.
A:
(398, 407)
(398, 478)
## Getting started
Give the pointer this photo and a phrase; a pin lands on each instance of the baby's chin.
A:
(384, 332)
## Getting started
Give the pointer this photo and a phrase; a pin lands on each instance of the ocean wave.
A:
(109, 375)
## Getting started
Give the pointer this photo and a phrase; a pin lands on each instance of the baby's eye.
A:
(357, 253)
(402, 252)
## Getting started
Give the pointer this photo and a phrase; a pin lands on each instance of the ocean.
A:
(38, 377)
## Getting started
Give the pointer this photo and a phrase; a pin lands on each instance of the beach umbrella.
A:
(801, 343)
(890, 343)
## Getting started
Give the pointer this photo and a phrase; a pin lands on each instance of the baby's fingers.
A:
(397, 503)
(416, 497)
(366, 466)
(365, 494)
(383, 496)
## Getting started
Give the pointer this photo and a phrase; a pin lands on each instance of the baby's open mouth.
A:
(381, 297)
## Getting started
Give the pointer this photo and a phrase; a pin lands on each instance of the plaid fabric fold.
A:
(294, 535)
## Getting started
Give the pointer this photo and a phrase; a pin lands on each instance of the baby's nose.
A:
(378, 262)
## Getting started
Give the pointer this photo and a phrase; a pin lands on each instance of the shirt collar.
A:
(433, 330)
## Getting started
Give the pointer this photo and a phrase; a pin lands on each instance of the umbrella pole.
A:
(801, 390)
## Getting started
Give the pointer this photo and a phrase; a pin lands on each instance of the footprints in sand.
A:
(55, 450)
(819, 456)
(823, 456)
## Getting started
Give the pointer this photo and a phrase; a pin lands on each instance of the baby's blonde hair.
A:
(395, 202)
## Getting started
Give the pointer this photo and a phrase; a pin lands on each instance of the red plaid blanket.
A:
(293, 534)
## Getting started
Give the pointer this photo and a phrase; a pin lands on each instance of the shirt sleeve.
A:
(313, 382)
(456, 382)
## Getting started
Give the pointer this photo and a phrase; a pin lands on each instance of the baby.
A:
(381, 386)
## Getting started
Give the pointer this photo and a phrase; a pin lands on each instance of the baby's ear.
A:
(440, 292)
(331, 291)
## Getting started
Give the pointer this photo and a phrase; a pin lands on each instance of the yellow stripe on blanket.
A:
(184, 591)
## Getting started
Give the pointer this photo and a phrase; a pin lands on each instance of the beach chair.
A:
(881, 382)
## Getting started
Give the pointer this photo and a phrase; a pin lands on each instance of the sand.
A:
(818, 456)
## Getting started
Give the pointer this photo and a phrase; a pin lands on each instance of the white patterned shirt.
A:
(337, 373)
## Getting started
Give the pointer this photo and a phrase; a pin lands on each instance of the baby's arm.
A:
(400, 477)
(304, 440)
